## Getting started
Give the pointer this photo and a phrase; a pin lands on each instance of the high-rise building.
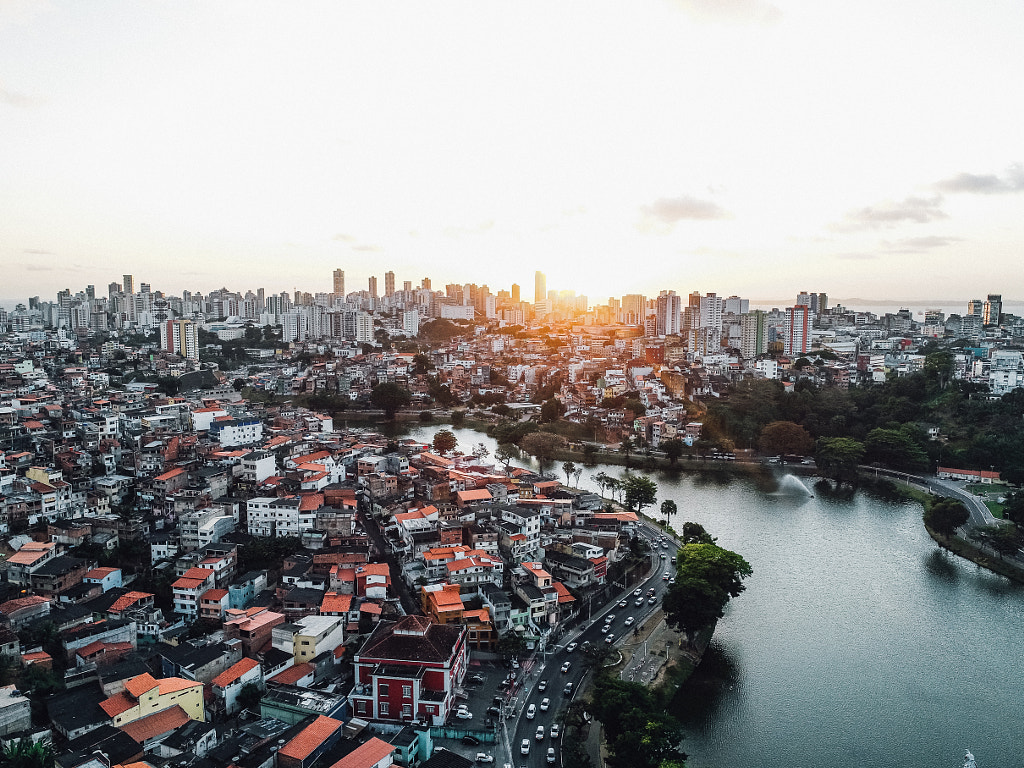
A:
(515, 293)
(634, 309)
(992, 312)
(389, 283)
(668, 311)
(112, 289)
(425, 284)
(180, 337)
(540, 287)
(129, 284)
(373, 287)
(736, 306)
(798, 329)
(754, 338)
(339, 282)
(407, 286)
(975, 307)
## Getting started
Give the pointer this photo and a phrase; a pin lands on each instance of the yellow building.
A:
(145, 695)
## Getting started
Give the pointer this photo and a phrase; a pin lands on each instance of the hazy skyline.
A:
(737, 146)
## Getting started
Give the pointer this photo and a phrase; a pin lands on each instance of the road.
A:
(981, 515)
(548, 666)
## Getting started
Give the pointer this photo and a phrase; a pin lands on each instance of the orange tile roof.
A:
(118, 703)
(197, 573)
(174, 684)
(127, 600)
(100, 573)
(168, 475)
(154, 725)
(140, 684)
(311, 737)
(368, 754)
(311, 501)
(564, 596)
(369, 607)
(214, 594)
(234, 672)
(293, 674)
(335, 603)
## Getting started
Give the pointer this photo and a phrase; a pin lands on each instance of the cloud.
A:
(735, 11)
(345, 238)
(459, 231)
(363, 247)
(985, 183)
(16, 99)
(38, 252)
(665, 212)
(918, 244)
(856, 256)
(38, 268)
(918, 210)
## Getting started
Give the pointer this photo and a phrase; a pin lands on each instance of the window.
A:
(382, 689)
(384, 708)
(406, 691)
(407, 710)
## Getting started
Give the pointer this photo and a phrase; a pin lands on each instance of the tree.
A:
(25, 753)
(390, 398)
(694, 533)
(458, 418)
(627, 446)
(1004, 539)
(543, 446)
(551, 410)
(707, 577)
(673, 449)
(640, 491)
(638, 732)
(838, 457)
(505, 452)
(896, 448)
(785, 437)
(569, 467)
(249, 696)
(668, 508)
(444, 441)
(944, 516)
(511, 644)
(480, 451)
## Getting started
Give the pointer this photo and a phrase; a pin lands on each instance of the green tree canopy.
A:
(639, 733)
(707, 577)
(444, 441)
(785, 437)
(897, 448)
(390, 398)
(944, 516)
(543, 446)
(668, 508)
(838, 457)
(694, 533)
(673, 449)
(639, 491)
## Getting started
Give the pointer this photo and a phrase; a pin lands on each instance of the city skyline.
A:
(742, 147)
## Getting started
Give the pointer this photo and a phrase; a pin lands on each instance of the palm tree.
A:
(668, 508)
(25, 753)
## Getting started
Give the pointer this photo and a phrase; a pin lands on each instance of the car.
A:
(542, 685)
(606, 629)
(650, 591)
(483, 757)
(499, 700)
(494, 711)
(471, 739)
(639, 602)
(585, 646)
(652, 600)
(524, 748)
(545, 705)
(610, 639)
(570, 647)
(665, 577)
(551, 755)
(515, 664)
(629, 621)
(609, 618)
(623, 603)
(661, 556)
(555, 730)
(673, 558)
(672, 580)
(531, 712)
(540, 733)
(566, 666)
(463, 714)
(568, 689)
(476, 679)
(639, 591)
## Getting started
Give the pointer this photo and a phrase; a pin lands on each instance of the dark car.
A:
(494, 711)
(469, 739)
(475, 679)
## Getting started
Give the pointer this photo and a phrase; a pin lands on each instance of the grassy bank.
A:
(978, 556)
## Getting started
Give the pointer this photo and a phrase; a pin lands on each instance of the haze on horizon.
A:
(752, 147)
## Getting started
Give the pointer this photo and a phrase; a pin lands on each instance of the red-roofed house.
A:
(187, 589)
(227, 685)
(311, 742)
(108, 578)
(154, 728)
(213, 603)
(144, 695)
(301, 675)
(373, 754)
(253, 626)
(373, 580)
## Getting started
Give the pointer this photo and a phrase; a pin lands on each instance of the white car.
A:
(542, 685)
(610, 639)
(531, 712)
(629, 621)
(540, 733)
(551, 755)
(638, 591)
(545, 704)
(570, 647)
(609, 618)
(652, 600)
(622, 603)
(483, 757)
(639, 602)
(566, 666)
(463, 714)
(524, 748)
(555, 728)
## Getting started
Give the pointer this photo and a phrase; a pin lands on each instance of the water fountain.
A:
(791, 485)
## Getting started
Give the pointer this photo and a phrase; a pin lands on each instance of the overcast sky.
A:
(869, 149)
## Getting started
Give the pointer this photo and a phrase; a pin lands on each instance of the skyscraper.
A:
(129, 284)
(669, 307)
(180, 337)
(540, 287)
(373, 287)
(389, 283)
(515, 293)
(634, 309)
(993, 309)
(339, 282)
(754, 340)
(798, 329)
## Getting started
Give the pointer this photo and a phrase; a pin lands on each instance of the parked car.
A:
(570, 647)
(483, 757)
(476, 679)
(542, 685)
(471, 739)
(568, 689)
(524, 748)
(551, 755)
(463, 714)
(566, 666)
(545, 705)
(494, 711)
(531, 712)
(540, 733)
(555, 730)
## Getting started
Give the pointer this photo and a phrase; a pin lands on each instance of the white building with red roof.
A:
(228, 684)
